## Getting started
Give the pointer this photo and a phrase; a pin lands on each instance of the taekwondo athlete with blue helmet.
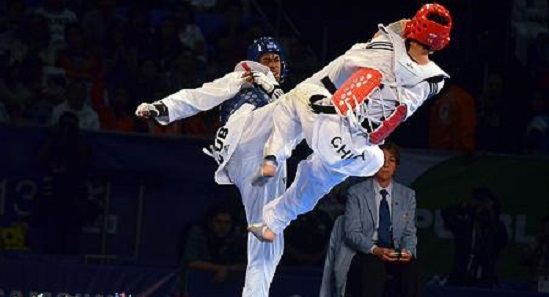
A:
(246, 98)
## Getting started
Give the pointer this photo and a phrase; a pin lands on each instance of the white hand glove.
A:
(277, 93)
(146, 111)
(263, 82)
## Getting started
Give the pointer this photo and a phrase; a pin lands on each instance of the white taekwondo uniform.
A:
(340, 148)
(238, 149)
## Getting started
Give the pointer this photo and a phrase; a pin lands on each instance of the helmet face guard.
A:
(431, 26)
(265, 45)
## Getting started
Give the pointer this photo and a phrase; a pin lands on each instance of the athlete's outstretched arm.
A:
(188, 102)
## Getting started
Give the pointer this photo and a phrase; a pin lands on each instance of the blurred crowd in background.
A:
(99, 59)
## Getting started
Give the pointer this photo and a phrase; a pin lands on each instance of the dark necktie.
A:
(384, 231)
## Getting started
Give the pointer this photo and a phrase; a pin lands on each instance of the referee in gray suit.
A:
(380, 228)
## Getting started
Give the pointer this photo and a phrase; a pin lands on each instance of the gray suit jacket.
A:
(354, 231)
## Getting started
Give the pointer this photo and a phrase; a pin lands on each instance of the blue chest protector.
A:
(253, 96)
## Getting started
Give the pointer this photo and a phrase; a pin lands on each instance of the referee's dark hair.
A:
(393, 149)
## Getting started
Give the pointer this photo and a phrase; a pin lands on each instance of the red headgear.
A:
(432, 34)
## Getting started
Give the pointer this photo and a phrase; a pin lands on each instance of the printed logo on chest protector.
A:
(219, 144)
(342, 149)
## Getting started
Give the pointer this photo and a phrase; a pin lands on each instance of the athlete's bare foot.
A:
(268, 170)
(262, 232)
(265, 172)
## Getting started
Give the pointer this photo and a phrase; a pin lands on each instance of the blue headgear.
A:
(264, 45)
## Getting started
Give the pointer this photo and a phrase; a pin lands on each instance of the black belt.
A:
(329, 109)
(329, 85)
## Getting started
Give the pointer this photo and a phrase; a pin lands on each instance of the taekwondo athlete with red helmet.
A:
(246, 98)
(349, 107)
